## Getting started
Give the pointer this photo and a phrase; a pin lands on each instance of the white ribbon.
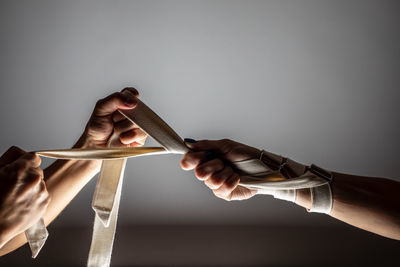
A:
(36, 235)
(106, 204)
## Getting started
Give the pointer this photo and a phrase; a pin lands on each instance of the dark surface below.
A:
(218, 246)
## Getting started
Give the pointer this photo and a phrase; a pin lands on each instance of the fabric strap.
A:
(254, 175)
(321, 199)
(36, 235)
(105, 222)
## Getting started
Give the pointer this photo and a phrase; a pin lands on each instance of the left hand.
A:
(106, 120)
(215, 172)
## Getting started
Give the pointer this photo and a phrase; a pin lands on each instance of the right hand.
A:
(215, 171)
(23, 194)
(106, 120)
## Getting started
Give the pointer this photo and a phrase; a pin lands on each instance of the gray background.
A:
(316, 81)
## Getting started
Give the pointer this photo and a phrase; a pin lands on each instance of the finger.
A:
(111, 103)
(131, 90)
(117, 116)
(124, 126)
(204, 170)
(226, 189)
(32, 159)
(191, 159)
(216, 180)
(138, 142)
(220, 146)
(11, 155)
(132, 136)
(32, 179)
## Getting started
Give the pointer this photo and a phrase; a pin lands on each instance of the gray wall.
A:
(316, 81)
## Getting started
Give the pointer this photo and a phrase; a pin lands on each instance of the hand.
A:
(215, 171)
(23, 194)
(106, 119)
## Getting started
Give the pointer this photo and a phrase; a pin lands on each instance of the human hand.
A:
(106, 120)
(216, 171)
(23, 194)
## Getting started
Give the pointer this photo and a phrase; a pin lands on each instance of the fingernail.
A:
(189, 140)
(210, 155)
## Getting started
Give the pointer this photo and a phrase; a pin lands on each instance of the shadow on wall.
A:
(218, 246)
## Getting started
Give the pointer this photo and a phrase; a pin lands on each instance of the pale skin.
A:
(23, 194)
(372, 204)
(65, 178)
(368, 203)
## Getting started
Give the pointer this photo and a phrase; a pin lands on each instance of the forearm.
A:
(5, 235)
(64, 179)
(368, 203)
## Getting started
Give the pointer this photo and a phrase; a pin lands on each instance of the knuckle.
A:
(226, 141)
(120, 97)
(219, 164)
(100, 102)
(215, 181)
(116, 96)
(199, 172)
(232, 183)
(43, 191)
(21, 197)
(193, 157)
(46, 201)
(34, 178)
(39, 172)
(226, 145)
(100, 124)
(20, 167)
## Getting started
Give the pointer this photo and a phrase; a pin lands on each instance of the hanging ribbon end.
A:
(36, 246)
(37, 235)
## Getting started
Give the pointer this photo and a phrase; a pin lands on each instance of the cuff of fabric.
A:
(321, 199)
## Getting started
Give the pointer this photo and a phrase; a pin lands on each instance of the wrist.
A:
(84, 142)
